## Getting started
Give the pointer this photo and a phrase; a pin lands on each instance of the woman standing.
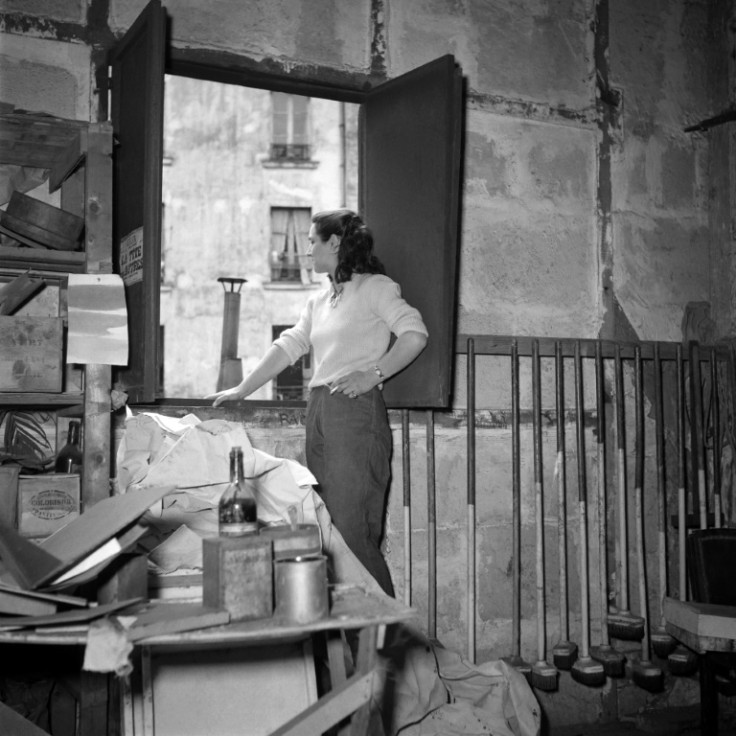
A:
(349, 326)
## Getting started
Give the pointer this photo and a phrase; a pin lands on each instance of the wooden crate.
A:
(47, 502)
(9, 495)
(31, 355)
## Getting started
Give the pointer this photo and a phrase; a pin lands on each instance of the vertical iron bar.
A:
(565, 647)
(431, 531)
(716, 426)
(582, 505)
(539, 500)
(406, 465)
(471, 500)
(623, 560)
(600, 402)
(697, 449)
(682, 475)
(639, 499)
(516, 503)
(661, 477)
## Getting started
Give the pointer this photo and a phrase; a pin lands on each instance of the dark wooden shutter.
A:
(137, 118)
(410, 177)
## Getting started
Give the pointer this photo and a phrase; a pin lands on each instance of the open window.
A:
(289, 244)
(290, 139)
(410, 138)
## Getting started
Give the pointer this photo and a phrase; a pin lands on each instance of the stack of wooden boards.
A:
(29, 221)
(37, 578)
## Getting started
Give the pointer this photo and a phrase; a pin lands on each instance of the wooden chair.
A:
(711, 561)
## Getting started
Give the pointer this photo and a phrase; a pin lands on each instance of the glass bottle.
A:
(238, 514)
(69, 459)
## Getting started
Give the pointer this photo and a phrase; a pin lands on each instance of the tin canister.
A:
(300, 587)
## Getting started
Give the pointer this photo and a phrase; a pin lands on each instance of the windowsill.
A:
(285, 163)
(290, 285)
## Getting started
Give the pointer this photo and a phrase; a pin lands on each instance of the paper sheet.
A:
(98, 320)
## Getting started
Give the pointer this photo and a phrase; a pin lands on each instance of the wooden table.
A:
(705, 628)
(349, 696)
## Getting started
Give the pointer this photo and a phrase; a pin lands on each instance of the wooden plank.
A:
(15, 724)
(99, 524)
(68, 160)
(42, 223)
(365, 663)
(170, 618)
(65, 618)
(98, 210)
(35, 140)
(45, 260)
(13, 604)
(703, 620)
(58, 598)
(9, 495)
(98, 247)
(332, 708)
(362, 609)
(14, 294)
(30, 398)
(25, 560)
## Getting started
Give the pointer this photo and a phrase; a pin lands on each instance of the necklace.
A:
(335, 295)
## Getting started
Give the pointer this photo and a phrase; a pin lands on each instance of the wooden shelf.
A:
(78, 158)
(42, 259)
(75, 398)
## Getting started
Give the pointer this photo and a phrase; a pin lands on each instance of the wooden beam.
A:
(98, 249)
(501, 345)
(68, 160)
(332, 708)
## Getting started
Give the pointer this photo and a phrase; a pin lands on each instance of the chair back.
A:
(711, 563)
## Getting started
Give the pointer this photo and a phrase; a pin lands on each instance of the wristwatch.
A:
(378, 371)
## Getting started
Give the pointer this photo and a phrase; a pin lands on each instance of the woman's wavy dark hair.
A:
(355, 254)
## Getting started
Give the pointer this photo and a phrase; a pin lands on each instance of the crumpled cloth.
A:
(108, 648)
(194, 457)
(427, 690)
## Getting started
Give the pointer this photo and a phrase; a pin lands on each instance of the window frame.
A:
(427, 269)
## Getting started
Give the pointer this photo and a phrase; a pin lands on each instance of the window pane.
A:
(280, 117)
(300, 120)
(289, 241)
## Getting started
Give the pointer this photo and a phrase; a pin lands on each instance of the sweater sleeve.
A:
(386, 301)
(295, 340)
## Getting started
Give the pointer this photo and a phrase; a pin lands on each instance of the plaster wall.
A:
(661, 237)
(63, 10)
(536, 52)
(44, 75)
(322, 32)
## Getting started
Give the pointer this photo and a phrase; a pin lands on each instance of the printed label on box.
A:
(47, 503)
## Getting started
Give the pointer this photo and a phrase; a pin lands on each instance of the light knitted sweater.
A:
(354, 334)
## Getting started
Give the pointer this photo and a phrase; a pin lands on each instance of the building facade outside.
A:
(244, 170)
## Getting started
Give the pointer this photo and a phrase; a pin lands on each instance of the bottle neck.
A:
(73, 437)
(233, 468)
(241, 474)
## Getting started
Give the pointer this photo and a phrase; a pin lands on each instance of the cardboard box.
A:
(47, 502)
(32, 354)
